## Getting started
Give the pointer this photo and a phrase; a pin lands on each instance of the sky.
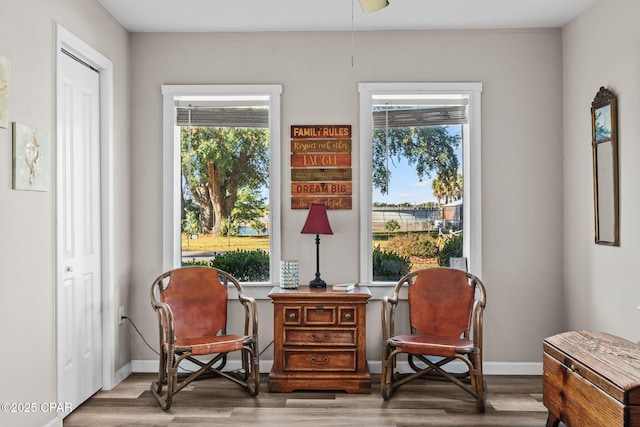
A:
(404, 186)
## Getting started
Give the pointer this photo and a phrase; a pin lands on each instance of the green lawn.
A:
(209, 243)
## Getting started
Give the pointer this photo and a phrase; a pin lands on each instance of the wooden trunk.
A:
(591, 379)
(320, 340)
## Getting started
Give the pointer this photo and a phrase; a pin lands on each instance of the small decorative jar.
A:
(289, 273)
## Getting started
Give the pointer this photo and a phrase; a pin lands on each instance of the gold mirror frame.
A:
(604, 145)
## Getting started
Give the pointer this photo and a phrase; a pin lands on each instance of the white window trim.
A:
(472, 210)
(171, 226)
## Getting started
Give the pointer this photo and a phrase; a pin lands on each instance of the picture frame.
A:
(604, 146)
(31, 158)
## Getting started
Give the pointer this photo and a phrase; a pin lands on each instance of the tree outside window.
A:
(225, 175)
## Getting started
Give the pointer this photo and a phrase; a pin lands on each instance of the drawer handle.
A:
(573, 368)
(348, 316)
(324, 360)
(292, 316)
(325, 336)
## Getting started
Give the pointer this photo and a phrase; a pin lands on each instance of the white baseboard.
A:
(512, 368)
(123, 373)
(490, 368)
(144, 366)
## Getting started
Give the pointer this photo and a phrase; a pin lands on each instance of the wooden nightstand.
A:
(320, 340)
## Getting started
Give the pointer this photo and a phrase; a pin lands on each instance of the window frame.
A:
(171, 224)
(471, 166)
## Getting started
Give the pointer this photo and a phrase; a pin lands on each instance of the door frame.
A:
(72, 44)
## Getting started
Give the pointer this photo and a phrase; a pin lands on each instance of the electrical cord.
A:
(140, 333)
(265, 349)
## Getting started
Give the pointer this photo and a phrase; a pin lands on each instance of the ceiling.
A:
(330, 15)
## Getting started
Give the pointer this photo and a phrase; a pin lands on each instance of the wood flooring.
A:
(511, 401)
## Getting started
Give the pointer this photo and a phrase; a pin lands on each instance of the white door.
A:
(79, 245)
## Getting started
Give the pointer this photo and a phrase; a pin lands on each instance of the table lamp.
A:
(317, 223)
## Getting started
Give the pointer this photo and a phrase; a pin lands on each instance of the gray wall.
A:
(601, 48)
(27, 229)
(521, 73)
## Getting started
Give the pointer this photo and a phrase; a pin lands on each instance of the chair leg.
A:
(389, 376)
(162, 373)
(384, 374)
(168, 375)
(172, 383)
(251, 364)
(164, 400)
(477, 381)
(163, 379)
(256, 373)
(384, 391)
(249, 376)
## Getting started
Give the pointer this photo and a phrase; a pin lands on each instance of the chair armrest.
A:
(249, 304)
(165, 322)
(388, 315)
(478, 311)
(251, 314)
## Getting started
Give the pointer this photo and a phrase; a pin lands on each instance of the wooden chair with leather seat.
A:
(445, 308)
(191, 304)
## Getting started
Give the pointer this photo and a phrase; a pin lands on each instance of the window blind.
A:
(248, 117)
(425, 116)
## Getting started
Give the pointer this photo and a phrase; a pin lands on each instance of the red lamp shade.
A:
(317, 221)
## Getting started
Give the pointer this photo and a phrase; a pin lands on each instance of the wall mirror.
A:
(604, 142)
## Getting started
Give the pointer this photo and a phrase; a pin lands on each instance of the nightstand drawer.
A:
(292, 315)
(320, 337)
(320, 360)
(320, 314)
(347, 316)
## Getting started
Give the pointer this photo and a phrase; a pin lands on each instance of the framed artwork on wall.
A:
(31, 158)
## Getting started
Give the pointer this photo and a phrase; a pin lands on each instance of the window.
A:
(243, 121)
(397, 121)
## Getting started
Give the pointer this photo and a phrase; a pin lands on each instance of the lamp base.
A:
(317, 283)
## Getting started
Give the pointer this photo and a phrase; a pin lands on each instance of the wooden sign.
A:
(321, 166)
(330, 202)
(321, 146)
(326, 160)
(322, 131)
(338, 188)
(321, 174)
